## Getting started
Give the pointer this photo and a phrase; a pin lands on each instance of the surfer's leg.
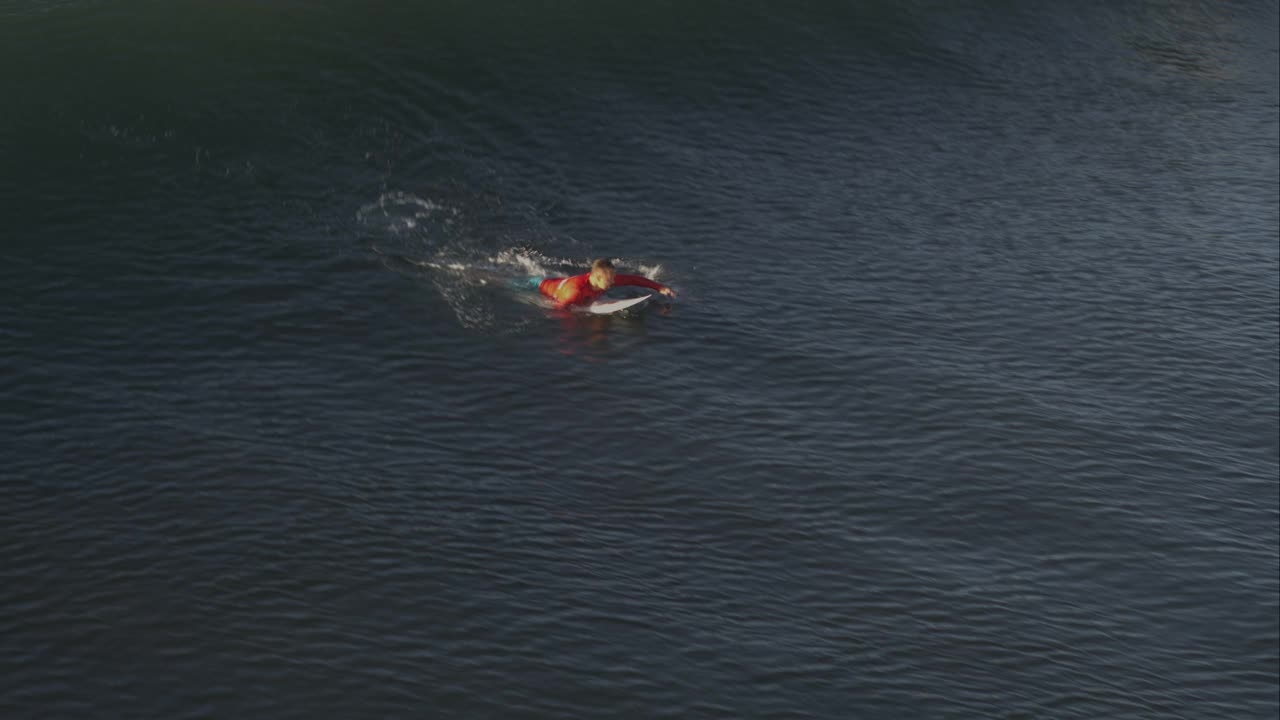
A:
(532, 283)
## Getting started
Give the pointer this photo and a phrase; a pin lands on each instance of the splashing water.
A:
(482, 276)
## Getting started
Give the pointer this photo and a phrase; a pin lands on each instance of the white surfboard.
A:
(608, 307)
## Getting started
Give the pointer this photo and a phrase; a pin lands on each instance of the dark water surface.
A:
(967, 409)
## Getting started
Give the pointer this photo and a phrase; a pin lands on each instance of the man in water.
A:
(582, 289)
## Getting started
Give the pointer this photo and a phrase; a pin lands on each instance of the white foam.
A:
(527, 262)
(403, 210)
(650, 271)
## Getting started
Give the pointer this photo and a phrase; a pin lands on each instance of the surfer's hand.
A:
(668, 292)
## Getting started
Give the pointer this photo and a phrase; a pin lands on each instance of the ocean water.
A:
(967, 408)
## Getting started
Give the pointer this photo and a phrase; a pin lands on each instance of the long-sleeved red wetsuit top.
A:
(577, 290)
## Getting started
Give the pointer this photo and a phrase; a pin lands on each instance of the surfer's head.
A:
(602, 274)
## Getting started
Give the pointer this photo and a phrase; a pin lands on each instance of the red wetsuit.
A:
(577, 290)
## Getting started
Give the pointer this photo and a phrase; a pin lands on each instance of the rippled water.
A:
(967, 408)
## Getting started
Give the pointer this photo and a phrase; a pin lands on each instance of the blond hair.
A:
(603, 264)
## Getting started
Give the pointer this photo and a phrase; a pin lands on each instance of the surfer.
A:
(582, 289)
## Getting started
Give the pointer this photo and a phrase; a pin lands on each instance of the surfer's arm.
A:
(644, 282)
(563, 290)
(566, 292)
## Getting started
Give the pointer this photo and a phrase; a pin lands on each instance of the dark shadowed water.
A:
(967, 408)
